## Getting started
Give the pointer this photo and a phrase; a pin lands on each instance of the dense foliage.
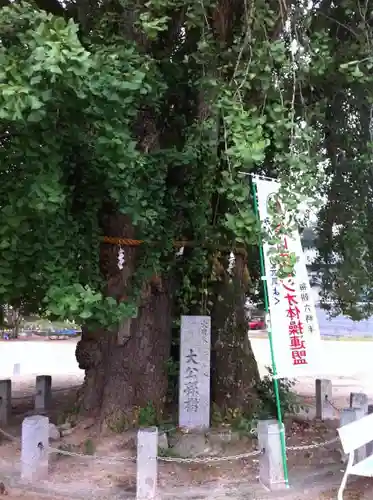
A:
(345, 227)
(67, 149)
(144, 120)
(158, 110)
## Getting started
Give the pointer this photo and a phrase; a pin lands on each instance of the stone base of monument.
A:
(191, 444)
(211, 442)
(128, 440)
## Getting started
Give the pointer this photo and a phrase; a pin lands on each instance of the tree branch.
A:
(51, 6)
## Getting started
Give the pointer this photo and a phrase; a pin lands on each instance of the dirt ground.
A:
(314, 474)
(114, 475)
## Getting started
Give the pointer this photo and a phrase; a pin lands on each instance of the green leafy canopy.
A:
(66, 134)
(159, 111)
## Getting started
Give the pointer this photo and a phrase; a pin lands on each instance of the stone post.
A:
(194, 384)
(271, 470)
(34, 453)
(16, 369)
(349, 415)
(324, 409)
(43, 395)
(147, 470)
(369, 446)
(359, 400)
(5, 401)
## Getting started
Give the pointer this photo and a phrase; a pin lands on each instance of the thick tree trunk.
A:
(121, 378)
(126, 369)
(234, 372)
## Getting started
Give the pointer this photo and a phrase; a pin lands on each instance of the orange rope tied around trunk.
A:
(177, 244)
(126, 242)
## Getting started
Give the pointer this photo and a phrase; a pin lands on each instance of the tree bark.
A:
(126, 368)
(235, 371)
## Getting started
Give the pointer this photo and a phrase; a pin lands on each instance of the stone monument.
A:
(194, 386)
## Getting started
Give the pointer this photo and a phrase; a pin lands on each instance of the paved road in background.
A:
(57, 357)
(338, 358)
(50, 357)
(341, 326)
(348, 364)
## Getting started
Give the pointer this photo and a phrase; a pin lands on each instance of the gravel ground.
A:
(347, 364)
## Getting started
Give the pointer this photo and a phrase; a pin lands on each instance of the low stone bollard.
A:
(359, 400)
(17, 369)
(5, 401)
(34, 452)
(271, 471)
(324, 409)
(43, 395)
(349, 415)
(369, 447)
(147, 466)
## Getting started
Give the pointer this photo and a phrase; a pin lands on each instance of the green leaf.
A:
(86, 314)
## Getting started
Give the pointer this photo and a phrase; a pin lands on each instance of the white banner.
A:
(294, 325)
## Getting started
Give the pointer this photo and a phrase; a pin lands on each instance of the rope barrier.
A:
(197, 460)
(59, 451)
(332, 405)
(200, 460)
(96, 458)
(60, 389)
(251, 454)
(9, 436)
(313, 445)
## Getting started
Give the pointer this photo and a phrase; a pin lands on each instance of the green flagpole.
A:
(274, 369)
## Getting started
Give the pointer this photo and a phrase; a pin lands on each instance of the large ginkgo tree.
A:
(129, 130)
